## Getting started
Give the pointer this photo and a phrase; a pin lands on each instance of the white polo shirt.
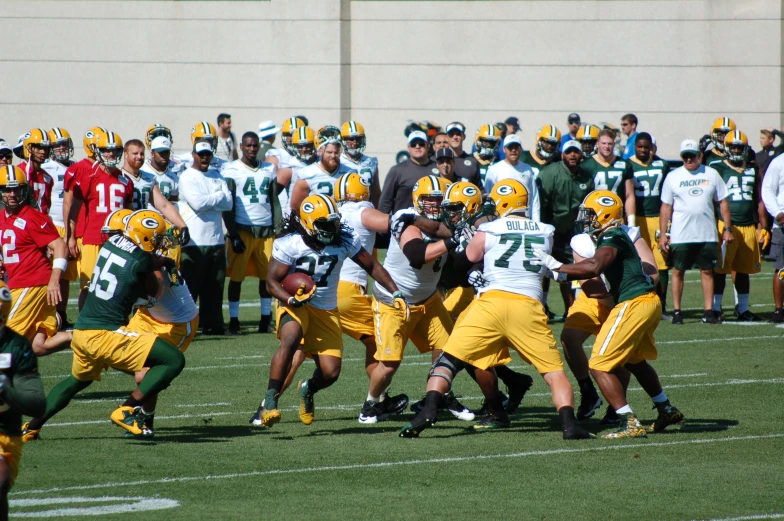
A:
(692, 195)
(520, 172)
(772, 188)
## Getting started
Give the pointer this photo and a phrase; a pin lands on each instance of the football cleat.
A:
(128, 418)
(748, 316)
(234, 326)
(29, 434)
(374, 412)
(264, 323)
(517, 392)
(484, 409)
(610, 417)
(458, 410)
(494, 420)
(630, 427)
(589, 403)
(415, 427)
(146, 422)
(711, 317)
(668, 415)
(677, 318)
(777, 317)
(306, 407)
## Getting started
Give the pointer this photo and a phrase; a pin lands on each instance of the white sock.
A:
(372, 398)
(743, 302)
(717, 302)
(737, 302)
(624, 410)
(659, 398)
(150, 413)
(266, 305)
(234, 309)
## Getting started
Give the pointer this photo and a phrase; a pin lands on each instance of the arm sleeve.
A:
(770, 184)
(387, 201)
(27, 394)
(415, 250)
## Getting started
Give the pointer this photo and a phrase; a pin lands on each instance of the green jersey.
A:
(483, 169)
(528, 158)
(624, 274)
(647, 185)
(117, 283)
(612, 176)
(24, 389)
(561, 194)
(742, 190)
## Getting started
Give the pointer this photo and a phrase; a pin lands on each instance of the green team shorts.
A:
(700, 255)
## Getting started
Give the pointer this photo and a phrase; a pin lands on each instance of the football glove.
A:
(400, 220)
(237, 245)
(400, 304)
(477, 279)
(781, 275)
(302, 297)
(176, 277)
(185, 236)
(547, 260)
(763, 238)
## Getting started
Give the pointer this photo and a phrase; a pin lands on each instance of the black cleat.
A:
(777, 317)
(677, 318)
(374, 412)
(517, 391)
(494, 420)
(413, 428)
(748, 316)
(589, 403)
(610, 417)
(711, 317)
(234, 326)
(458, 410)
(264, 323)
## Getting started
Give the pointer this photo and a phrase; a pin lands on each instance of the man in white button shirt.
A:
(773, 197)
(691, 191)
(204, 194)
(512, 168)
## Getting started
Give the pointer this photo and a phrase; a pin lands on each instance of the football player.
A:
(511, 167)
(749, 222)
(147, 185)
(286, 161)
(548, 139)
(649, 173)
(626, 337)
(37, 149)
(21, 392)
(250, 227)
(202, 131)
(712, 145)
(124, 275)
(588, 136)
(35, 283)
(105, 190)
(353, 139)
(507, 312)
(486, 142)
(159, 141)
(317, 244)
(319, 177)
(612, 173)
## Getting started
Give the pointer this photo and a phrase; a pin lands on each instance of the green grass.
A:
(724, 462)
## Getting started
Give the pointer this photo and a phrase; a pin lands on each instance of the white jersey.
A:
(319, 180)
(176, 306)
(251, 195)
(168, 181)
(286, 160)
(142, 189)
(584, 245)
(509, 258)
(520, 172)
(57, 171)
(351, 214)
(772, 188)
(692, 195)
(182, 162)
(322, 266)
(367, 166)
(417, 285)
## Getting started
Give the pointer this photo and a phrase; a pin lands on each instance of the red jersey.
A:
(41, 183)
(24, 237)
(73, 172)
(102, 194)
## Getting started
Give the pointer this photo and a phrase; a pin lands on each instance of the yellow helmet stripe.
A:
(328, 202)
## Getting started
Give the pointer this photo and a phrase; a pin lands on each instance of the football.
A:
(294, 281)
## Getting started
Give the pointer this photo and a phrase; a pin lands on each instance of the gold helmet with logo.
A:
(736, 140)
(303, 142)
(155, 131)
(353, 130)
(509, 195)
(548, 139)
(58, 136)
(721, 127)
(588, 135)
(461, 203)
(147, 229)
(601, 209)
(320, 217)
(351, 188)
(431, 188)
(487, 140)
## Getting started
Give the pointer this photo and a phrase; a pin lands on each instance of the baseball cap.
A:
(574, 118)
(160, 143)
(689, 146)
(512, 139)
(456, 125)
(4, 145)
(267, 128)
(417, 134)
(18, 149)
(572, 143)
(511, 120)
(445, 153)
(202, 146)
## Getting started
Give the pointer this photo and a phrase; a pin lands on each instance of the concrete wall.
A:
(126, 65)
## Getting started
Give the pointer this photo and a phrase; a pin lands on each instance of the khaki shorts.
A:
(253, 262)
(743, 253)
(321, 334)
(356, 310)
(179, 335)
(95, 350)
(30, 312)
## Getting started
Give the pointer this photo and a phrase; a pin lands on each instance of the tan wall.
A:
(126, 65)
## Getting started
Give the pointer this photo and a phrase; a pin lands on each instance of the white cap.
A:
(689, 145)
(4, 145)
(161, 143)
(572, 143)
(267, 128)
(417, 134)
(202, 146)
(512, 139)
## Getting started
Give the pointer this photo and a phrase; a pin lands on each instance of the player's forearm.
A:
(275, 289)
(26, 395)
(381, 275)
(586, 269)
(665, 214)
(726, 216)
(72, 217)
(168, 210)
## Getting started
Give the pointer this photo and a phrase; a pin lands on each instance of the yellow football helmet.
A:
(736, 139)
(588, 135)
(601, 209)
(115, 223)
(328, 134)
(303, 142)
(351, 187)
(719, 130)
(155, 131)
(431, 187)
(147, 229)
(319, 215)
(89, 140)
(106, 140)
(37, 137)
(548, 139)
(5, 303)
(487, 140)
(353, 130)
(58, 136)
(204, 131)
(286, 131)
(12, 177)
(461, 203)
(509, 195)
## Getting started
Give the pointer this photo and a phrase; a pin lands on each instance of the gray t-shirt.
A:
(399, 184)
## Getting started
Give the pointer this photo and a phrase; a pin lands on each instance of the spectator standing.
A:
(773, 197)
(401, 178)
(226, 143)
(512, 168)
(629, 129)
(512, 125)
(768, 152)
(466, 165)
(573, 123)
(266, 133)
(6, 153)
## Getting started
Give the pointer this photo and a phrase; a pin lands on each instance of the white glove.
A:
(547, 260)
(631, 220)
(400, 219)
(477, 279)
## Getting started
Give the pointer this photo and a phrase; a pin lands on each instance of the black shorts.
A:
(777, 248)
(700, 255)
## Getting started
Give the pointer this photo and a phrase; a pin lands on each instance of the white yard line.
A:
(387, 464)
(748, 518)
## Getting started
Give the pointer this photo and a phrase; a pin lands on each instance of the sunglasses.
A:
(688, 157)
(6, 155)
(417, 144)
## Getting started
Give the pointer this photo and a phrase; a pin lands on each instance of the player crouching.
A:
(317, 245)
(507, 312)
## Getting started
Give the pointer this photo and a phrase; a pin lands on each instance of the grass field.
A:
(206, 462)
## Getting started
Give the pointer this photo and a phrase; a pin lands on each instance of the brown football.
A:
(294, 281)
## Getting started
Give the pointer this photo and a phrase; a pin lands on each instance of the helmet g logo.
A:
(505, 190)
(89, 134)
(308, 207)
(5, 294)
(605, 201)
(469, 191)
(149, 223)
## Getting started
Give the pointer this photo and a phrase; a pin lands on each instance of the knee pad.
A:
(446, 362)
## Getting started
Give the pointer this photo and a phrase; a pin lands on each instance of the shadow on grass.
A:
(200, 434)
(100, 395)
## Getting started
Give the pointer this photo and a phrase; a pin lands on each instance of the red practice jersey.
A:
(102, 194)
(75, 171)
(41, 183)
(24, 237)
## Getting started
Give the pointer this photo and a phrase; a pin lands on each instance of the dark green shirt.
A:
(612, 177)
(561, 194)
(117, 283)
(527, 157)
(625, 275)
(24, 393)
(741, 190)
(647, 185)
